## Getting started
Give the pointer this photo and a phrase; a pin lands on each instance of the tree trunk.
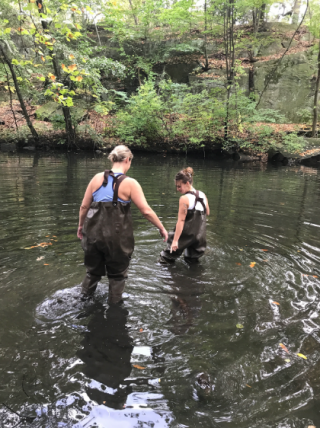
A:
(70, 131)
(134, 16)
(296, 12)
(315, 102)
(206, 67)
(7, 60)
(251, 81)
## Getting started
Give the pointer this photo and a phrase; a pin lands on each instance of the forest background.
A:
(94, 74)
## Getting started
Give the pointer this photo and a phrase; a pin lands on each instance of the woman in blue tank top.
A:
(105, 225)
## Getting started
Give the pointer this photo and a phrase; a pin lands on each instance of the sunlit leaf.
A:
(71, 57)
(284, 348)
(64, 68)
(79, 78)
(287, 360)
(138, 367)
(72, 67)
(302, 356)
(43, 58)
(239, 326)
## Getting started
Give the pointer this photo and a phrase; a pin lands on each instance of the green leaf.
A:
(69, 102)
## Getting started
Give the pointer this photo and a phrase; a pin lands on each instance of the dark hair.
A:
(185, 175)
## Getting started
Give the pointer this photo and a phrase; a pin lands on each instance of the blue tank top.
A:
(105, 193)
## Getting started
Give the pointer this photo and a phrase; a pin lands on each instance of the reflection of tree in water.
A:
(186, 303)
(106, 352)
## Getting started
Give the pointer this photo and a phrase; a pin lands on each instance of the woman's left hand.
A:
(174, 246)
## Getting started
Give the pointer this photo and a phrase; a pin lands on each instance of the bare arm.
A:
(138, 198)
(182, 214)
(84, 208)
(207, 207)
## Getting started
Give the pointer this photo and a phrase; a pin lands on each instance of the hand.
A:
(174, 246)
(164, 234)
(79, 233)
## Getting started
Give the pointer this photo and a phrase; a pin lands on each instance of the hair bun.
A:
(188, 171)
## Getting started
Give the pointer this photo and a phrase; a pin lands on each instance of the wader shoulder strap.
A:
(117, 181)
(105, 178)
(198, 199)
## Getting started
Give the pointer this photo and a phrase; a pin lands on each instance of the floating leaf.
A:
(276, 303)
(314, 276)
(40, 258)
(239, 264)
(239, 326)
(287, 360)
(141, 329)
(45, 264)
(284, 348)
(302, 356)
(241, 249)
(248, 386)
(264, 250)
(138, 367)
(265, 260)
(252, 264)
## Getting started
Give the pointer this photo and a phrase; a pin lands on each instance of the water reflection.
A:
(106, 353)
(186, 289)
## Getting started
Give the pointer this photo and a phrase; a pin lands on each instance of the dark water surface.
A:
(66, 363)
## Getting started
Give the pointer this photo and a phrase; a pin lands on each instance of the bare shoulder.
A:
(184, 201)
(132, 182)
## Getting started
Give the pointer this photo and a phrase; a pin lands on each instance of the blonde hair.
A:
(186, 175)
(120, 153)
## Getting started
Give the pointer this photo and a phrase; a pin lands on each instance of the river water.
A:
(191, 346)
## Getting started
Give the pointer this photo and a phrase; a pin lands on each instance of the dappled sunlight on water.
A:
(189, 346)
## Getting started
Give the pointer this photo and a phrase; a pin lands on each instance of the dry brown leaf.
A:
(284, 348)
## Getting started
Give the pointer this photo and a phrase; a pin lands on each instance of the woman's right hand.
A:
(79, 232)
(164, 234)
(174, 246)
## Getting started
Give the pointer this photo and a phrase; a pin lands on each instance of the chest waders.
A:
(193, 237)
(108, 243)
